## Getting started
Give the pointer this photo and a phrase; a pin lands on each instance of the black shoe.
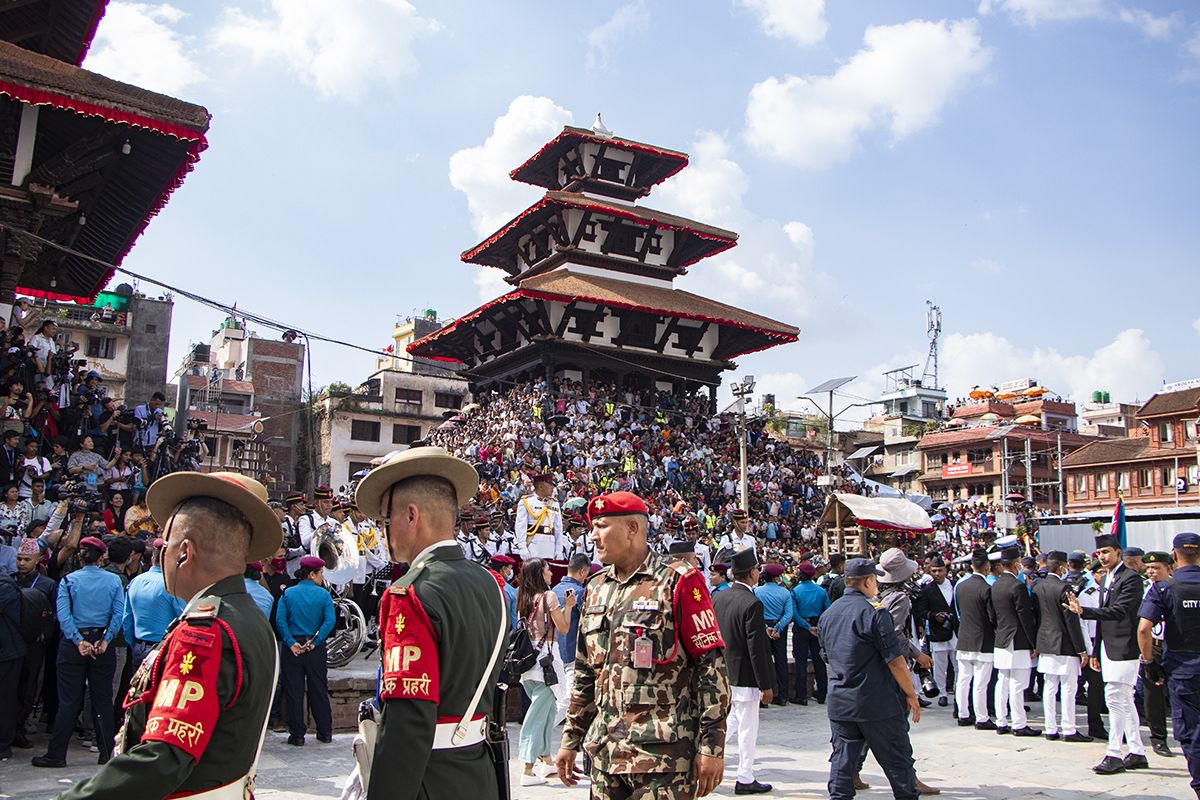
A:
(5, 754)
(325, 739)
(1002, 729)
(1159, 748)
(21, 741)
(1054, 737)
(986, 725)
(779, 702)
(1078, 737)
(103, 759)
(1100, 735)
(820, 701)
(1027, 731)
(752, 788)
(802, 701)
(923, 703)
(943, 702)
(798, 701)
(296, 741)
(1135, 762)
(1109, 766)
(965, 723)
(47, 761)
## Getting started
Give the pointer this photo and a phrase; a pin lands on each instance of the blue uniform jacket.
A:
(811, 602)
(149, 610)
(90, 597)
(1159, 603)
(304, 610)
(777, 605)
(859, 640)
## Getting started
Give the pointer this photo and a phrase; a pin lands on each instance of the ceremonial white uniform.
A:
(502, 542)
(539, 528)
(703, 558)
(736, 542)
(472, 548)
(583, 546)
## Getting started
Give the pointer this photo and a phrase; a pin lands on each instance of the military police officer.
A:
(442, 627)
(197, 707)
(1176, 602)
(651, 693)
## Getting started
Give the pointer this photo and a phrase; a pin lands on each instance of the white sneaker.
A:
(532, 780)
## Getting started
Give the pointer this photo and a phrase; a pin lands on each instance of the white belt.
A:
(474, 732)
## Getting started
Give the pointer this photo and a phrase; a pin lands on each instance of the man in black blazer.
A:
(1117, 648)
(748, 661)
(976, 640)
(10, 457)
(934, 607)
(1061, 649)
(1016, 632)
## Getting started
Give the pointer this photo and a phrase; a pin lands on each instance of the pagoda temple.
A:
(85, 161)
(593, 275)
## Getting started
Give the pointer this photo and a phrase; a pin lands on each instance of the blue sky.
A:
(1029, 165)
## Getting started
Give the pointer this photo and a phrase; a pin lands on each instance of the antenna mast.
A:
(933, 328)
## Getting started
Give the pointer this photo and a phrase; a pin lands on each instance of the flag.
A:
(1118, 521)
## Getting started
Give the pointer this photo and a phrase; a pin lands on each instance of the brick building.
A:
(1155, 466)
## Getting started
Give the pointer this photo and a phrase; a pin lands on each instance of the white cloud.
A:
(489, 282)
(1193, 46)
(801, 21)
(481, 172)
(1128, 366)
(138, 44)
(771, 270)
(604, 39)
(1153, 27)
(1034, 12)
(337, 48)
(1196, 325)
(901, 79)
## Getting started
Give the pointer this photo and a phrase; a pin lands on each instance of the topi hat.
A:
(681, 547)
(245, 494)
(415, 462)
(744, 560)
(1107, 540)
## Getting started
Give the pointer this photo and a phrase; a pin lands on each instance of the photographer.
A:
(40, 508)
(30, 466)
(14, 515)
(149, 418)
(44, 413)
(86, 463)
(116, 425)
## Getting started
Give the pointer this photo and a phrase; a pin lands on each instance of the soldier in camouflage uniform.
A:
(651, 693)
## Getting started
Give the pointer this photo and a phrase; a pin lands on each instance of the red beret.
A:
(94, 543)
(806, 569)
(258, 565)
(773, 570)
(500, 558)
(615, 504)
(312, 563)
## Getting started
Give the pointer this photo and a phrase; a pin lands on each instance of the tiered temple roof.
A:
(593, 279)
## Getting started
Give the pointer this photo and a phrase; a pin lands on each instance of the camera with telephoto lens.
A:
(80, 497)
(197, 424)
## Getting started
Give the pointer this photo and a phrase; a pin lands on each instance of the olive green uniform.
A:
(151, 769)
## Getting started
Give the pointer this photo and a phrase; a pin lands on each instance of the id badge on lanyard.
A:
(643, 652)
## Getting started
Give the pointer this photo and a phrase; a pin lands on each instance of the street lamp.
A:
(829, 387)
(741, 391)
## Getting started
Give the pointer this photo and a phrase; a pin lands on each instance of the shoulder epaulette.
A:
(205, 609)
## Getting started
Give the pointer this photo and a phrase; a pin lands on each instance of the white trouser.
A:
(742, 727)
(564, 697)
(1060, 688)
(974, 672)
(941, 669)
(1123, 720)
(1010, 691)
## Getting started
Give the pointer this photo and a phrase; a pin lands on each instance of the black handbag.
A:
(522, 652)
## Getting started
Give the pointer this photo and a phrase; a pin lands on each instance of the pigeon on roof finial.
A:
(599, 129)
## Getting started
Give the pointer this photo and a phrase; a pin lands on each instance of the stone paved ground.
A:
(793, 753)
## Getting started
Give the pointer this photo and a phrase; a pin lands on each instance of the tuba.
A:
(338, 548)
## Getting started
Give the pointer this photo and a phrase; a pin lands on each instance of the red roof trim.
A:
(644, 148)
(780, 338)
(90, 34)
(602, 208)
(37, 97)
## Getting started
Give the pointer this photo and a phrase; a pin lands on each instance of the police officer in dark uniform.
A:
(442, 628)
(870, 691)
(197, 707)
(1176, 602)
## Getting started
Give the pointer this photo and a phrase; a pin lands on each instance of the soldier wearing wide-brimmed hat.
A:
(197, 707)
(442, 627)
